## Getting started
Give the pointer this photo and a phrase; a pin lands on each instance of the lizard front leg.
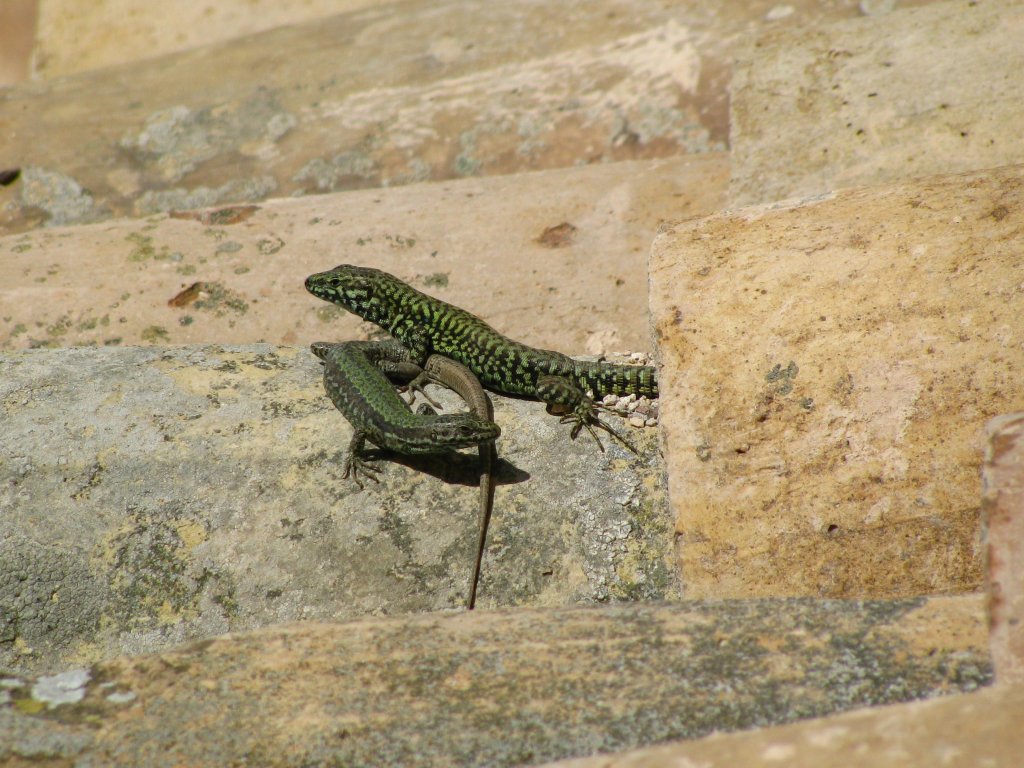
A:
(354, 463)
(564, 398)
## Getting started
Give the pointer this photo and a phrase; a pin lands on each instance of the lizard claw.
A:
(585, 415)
(417, 384)
(353, 465)
(565, 399)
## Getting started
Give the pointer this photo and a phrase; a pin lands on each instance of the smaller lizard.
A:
(354, 377)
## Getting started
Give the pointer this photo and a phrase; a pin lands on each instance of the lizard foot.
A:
(354, 465)
(585, 415)
(416, 385)
(567, 400)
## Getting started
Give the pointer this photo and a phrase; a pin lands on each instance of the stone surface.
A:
(364, 99)
(828, 368)
(478, 243)
(408, 91)
(1003, 516)
(495, 688)
(917, 92)
(152, 495)
(17, 24)
(978, 729)
(79, 35)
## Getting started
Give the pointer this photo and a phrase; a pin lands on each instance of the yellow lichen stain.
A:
(653, 485)
(166, 614)
(191, 532)
(289, 479)
(224, 371)
(773, 643)
(105, 554)
(619, 465)
(108, 555)
(113, 398)
(29, 706)
(84, 654)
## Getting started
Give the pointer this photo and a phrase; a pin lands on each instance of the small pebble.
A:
(640, 411)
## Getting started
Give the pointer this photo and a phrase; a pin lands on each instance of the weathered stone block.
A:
(1003, 507)
(956, 731)
(828, 370)
(916, 92)
(153, 495)
(496, 688)
(388, 95)
(235, 275)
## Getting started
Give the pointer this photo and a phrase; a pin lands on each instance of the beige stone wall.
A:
(78, 35)
(868, 101)
(17, 29)
(828, 371)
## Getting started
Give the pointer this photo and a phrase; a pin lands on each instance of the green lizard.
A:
(355, 381)
(426, 325)
(354, 377)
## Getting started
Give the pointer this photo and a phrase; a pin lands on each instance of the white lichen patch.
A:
(64, 688)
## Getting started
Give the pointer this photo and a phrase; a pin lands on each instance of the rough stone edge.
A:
(1002, 508)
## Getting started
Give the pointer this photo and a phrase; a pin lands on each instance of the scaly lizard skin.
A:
(354, 377)
(427, 325)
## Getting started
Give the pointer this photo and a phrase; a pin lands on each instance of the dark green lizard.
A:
(426, 325)
(354, 377)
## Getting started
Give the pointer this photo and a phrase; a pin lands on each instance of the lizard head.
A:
(463, 431)
(364, 291)
(321, 349)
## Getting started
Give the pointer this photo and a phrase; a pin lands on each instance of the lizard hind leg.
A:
(414, 376)
(566, 399)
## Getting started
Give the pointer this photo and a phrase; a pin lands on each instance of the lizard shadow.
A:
(452, 467)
